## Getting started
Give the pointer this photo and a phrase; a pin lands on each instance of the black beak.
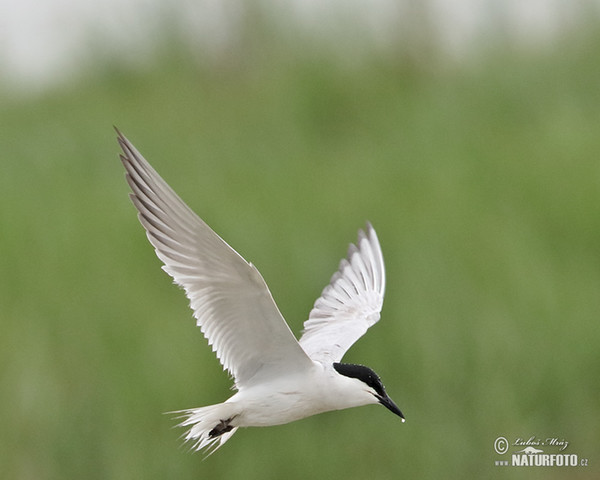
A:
(390, 405)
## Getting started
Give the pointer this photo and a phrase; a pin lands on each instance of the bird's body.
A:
(278, 379)
(285, 398)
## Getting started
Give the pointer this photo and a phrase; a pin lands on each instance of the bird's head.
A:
(370, 383)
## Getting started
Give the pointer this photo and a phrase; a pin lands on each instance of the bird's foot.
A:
(222, 427)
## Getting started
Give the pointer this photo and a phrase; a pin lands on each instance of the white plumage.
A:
(350, 304)
(278, 379)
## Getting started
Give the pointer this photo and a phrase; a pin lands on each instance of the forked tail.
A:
(210, 426)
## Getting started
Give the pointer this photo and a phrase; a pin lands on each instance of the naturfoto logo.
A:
(536, 451)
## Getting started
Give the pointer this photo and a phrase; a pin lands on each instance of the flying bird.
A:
(278, 378)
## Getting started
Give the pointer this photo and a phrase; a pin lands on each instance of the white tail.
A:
(210, 426)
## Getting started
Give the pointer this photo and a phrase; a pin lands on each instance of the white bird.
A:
(278, 379)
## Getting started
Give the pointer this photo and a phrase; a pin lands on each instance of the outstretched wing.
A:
(350, 304)
(231, 301)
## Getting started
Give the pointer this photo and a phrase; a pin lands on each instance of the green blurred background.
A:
(482, 179)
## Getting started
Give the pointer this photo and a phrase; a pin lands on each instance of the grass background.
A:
(482, 180)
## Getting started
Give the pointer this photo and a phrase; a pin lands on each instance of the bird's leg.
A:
(222, 427)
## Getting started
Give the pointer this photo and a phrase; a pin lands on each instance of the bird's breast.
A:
(282, 401)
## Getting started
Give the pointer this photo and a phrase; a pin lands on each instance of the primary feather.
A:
(231, 301)
(350, 304)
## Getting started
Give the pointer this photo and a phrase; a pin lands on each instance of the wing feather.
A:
(350, 304)
(230, 299)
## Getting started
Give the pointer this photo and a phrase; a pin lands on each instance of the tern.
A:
(278, 378)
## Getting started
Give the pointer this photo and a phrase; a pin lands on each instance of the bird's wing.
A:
(350, 304)
(231, 301)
